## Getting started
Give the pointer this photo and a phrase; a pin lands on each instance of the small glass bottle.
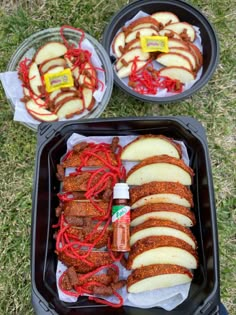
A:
(121, 218)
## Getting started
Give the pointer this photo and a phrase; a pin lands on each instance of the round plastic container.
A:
(36, 40)
(186, 13)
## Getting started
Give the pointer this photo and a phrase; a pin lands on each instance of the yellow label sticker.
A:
(154, 43)
(56, 81)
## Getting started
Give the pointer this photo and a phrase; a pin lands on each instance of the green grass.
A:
(214, 106)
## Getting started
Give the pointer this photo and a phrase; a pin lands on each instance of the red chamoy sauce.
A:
(121, 218)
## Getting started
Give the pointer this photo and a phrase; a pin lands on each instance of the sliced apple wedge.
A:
(162, 250)
(55, 69)
(62, 96)
(136, 43)
(40, 113)
(118, 44)
(48, 51)
(53, 95)
(142, 21)
(69, 108)
(154, 227)
(186, 53)
(126, 71)
(165, 17)
(91, 73)
(195, 50)
(130, 55)
(169, 34)
(149, 145)
(174, 42)
(157, 276)
(44, 67)
(163, 211)
(88, 98)
(174, 59)
(182, 27)
(140, 32)
(35, 80)
(39, 101)
(160, 192)
(161, 169)
(177, 73)
(146, 25)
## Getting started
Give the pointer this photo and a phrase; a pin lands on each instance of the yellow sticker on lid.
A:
(154, 43)
(56, 81)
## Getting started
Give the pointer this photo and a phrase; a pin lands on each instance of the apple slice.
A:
(40, 113)
(149, 145)
(154, 227)
(146, 25)
(182, 27)
(133, 44)
(46, 65)
(53, 95)
(137, 24)
(163, 211)
(91, 73)
(49, 51)
(169, 34)
(162, 250)
(55, 69)
(165, 18)
(88, 99)
(157, 276)
(174, 59)
(130, 55)
(63, 96)
(35, 80)
(118, 44)
(186, 53)
(69, 108)
(161, 169)
(177, 73)
(126, 71)
(174, 42)
(140, 32)
(160, 192)
(39, 101)
(195, 50)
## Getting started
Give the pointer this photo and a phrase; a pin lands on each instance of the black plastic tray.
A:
(204, 297)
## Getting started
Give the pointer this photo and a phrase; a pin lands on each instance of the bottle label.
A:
(121, 213)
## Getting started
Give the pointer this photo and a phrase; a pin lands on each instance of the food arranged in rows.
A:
(163, 249)
(59, 80)
(180, 61)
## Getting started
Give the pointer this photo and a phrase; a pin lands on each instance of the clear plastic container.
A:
(36, 40)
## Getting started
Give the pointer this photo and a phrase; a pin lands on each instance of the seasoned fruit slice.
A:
(177, 73)
(174, 42)
(140, 32)
(48, 51)
(35, 81)
(162, 169)
(118, 44)
(90, 72)
(133, 44)
(154, 227)
(44, 67)
(163, 211)
(186, 53)
(183, 27)
(195, 50)
(162, 250)
(62, 96)
(169, 34)
(157, 276)
(147, 20)
(149, 145)
(165, 18)
(40, 113)
(160, 192)
(37, 100)
(69, 108)
(174, 59)
(55, 69)
(126, 71)
(89, 101)
(130, 55)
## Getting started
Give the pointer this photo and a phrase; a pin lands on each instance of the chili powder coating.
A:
(121, 218)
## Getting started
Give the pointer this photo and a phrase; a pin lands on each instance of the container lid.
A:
(121, 191)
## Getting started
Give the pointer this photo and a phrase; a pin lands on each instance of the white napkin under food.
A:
(166, 298)
(13, 87)
(158, 66)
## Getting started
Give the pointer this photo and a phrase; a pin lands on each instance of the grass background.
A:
(214, 106)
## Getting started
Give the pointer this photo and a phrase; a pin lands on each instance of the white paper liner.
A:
(166, 298)
(13, 87)
(157, 66)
